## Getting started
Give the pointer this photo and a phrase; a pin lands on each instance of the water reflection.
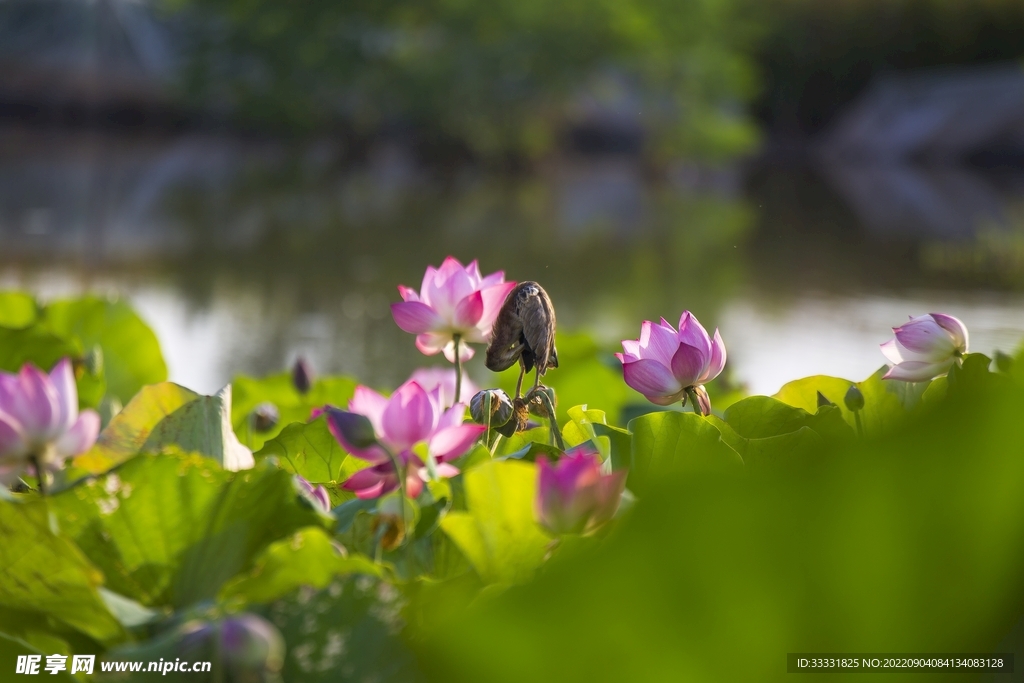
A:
(244, 254)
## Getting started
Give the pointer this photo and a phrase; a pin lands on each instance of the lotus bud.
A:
(352, 430)
(520, 418)
(573, 495)
(854, 399)
(302, 375)
(823, 401)
(925, 347)
(500, 404)
(265, 417)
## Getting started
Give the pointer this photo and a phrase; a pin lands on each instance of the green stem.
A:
(860, 425)
(399, 471)
(494, 446)
(556, 434)
(40, 475)
(458, 367)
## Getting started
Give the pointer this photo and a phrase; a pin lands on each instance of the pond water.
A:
(243, 254)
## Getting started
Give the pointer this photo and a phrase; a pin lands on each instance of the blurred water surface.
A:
(244, 253)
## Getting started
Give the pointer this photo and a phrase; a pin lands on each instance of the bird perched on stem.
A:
(524, 331)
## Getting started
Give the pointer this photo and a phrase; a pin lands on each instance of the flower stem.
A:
(40, 475)
(458, 368)
(860, 425)
(398, 471)
(556, 434)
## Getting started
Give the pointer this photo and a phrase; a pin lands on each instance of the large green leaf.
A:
(310, 557)
(131, 352)
(17, 309)
(204, 426)
(803, 393)
(39, 345)
(670, 442)
(128, 431)
(499, 533)
(311, 451)
(913, 540)
(291, 405)
(171, 529)
(43, 572)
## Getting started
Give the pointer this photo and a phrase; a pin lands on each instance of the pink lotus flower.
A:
(665, 363)
(453, 300)
(443, 379)
(39, 419)
(573, 496)
(925, 347)
(316, 495)
(410, 416)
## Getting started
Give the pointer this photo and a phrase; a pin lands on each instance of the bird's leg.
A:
(536, 382)
(519, 384)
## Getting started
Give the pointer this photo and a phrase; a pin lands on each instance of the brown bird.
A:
(524, 331)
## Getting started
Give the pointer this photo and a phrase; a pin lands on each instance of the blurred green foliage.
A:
(495, 78)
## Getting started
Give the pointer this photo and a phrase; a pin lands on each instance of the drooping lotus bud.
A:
(302, 375)
(352, 430)
(264, 417)
(500, 407)
(519, 420)
(854, 399)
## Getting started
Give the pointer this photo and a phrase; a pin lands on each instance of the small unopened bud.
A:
(353, 430)
(823, 401)
(1004, 361)
(302, 375)
(264, 417)
(520, 418)
(500, 405)
(854, 399)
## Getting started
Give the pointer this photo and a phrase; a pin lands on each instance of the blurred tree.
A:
(495, 78)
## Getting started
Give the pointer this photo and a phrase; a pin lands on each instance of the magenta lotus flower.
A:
(39, 420)
(453, 300)
(410, 416)
(316, 495)
(925, 347)
(443, 379)
(573, 496)
(665, 364)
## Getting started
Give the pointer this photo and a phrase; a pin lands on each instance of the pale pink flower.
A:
(443, 379)
(925, 347)
(453, 299)
(39, 418)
